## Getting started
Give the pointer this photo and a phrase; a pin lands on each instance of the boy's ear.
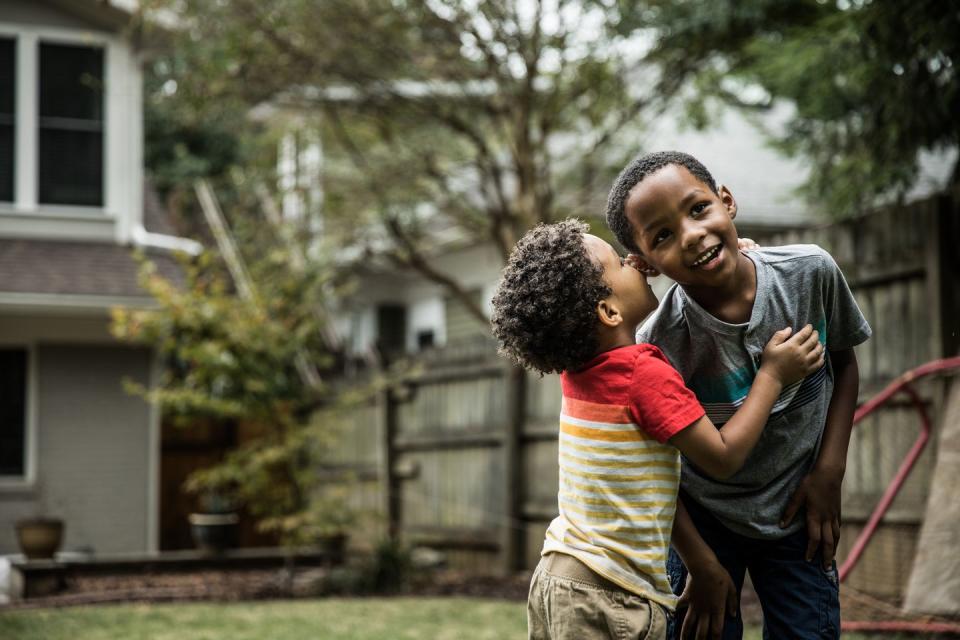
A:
(636, 261)
(728, 200)
(609, 313)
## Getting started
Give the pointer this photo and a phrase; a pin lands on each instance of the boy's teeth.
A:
(706, 257)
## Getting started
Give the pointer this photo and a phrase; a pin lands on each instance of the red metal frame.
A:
(901, 384)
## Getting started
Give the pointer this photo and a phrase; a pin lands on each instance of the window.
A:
(8, 65)
(71, 125)
(13, 414)
(425, 339)
(391, 330)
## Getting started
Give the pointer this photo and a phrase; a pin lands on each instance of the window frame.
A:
(115, 169)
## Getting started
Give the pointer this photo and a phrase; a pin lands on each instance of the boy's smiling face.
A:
(683, 229)
(631, 294)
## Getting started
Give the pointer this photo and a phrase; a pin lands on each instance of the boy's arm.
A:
(720, 453)
(709, 591)
(819, 491)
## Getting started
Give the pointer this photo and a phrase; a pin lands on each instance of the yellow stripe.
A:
(642, 477)
(614, 501)
(621, 464)
(628, 491)
(649, 558)
(602, 435)
(616, 515)
(624, 451)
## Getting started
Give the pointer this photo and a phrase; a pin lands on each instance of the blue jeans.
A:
(800, 599)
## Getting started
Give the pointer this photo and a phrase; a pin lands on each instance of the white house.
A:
(73, 443)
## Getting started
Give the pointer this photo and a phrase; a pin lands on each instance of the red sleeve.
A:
(659, 401)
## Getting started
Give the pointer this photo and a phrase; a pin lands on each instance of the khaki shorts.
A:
(568, 601)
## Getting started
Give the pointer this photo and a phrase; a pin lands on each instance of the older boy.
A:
(666, 208)
(568, 303)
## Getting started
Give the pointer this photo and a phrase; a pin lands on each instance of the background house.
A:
(73, 443)
(404, 312)
(401, 312)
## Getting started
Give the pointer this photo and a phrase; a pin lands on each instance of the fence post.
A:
(391, 488)
(943, 273)
(512, 529)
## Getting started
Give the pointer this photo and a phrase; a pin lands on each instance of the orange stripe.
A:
(634, 435)
(583, 410)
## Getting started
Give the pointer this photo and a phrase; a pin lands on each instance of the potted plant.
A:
(214, 527)
(39, 537)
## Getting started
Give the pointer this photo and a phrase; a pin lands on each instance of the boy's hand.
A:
(708, 595)
(819, 493)
(789, 359)
(746, 244)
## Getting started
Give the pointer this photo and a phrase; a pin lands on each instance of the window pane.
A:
(7, 112)
(71, 125)
(13, 382)
(71, 82)
(71, 167)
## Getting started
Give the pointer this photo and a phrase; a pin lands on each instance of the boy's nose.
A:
(692, 234)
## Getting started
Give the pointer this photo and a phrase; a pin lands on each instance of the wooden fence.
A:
(463, 457)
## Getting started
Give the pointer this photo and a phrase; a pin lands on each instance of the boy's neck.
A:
(615, 337)
(733, 300)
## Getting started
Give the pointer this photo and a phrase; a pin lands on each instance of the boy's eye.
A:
(699, 208)
(662, 235)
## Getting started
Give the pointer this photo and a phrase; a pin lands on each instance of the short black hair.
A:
(545, 305)
(635, 173)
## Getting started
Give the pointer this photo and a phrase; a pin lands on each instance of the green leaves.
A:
(873, 84)
(231, 361)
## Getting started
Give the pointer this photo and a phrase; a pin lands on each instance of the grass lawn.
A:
(328, 619)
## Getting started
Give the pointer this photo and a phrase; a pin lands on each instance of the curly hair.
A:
(544, 308)
(635, 173)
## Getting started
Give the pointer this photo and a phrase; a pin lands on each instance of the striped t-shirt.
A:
(618, 477)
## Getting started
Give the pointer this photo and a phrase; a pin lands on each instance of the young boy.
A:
(568, 303)
(666, 208)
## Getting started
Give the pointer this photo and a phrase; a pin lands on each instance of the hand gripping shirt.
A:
(618, 477)
(796, 285)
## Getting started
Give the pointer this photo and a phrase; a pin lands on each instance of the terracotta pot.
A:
(39, 538)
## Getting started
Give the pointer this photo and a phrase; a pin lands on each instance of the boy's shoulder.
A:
(813, 254)
(667, 317)
(608, 377)
(797, 265)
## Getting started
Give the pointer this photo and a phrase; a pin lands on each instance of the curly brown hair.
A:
(544, 309)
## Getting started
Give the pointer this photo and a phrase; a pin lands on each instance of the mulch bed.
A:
(232, 585)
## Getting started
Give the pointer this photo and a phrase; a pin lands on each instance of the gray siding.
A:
(93, 447)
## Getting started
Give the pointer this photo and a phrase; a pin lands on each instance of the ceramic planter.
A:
(39, 538)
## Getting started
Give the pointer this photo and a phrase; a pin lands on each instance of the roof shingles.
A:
(75, 268)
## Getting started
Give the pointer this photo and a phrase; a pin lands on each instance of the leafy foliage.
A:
(441, 121)
(872, 84)
(229, 359)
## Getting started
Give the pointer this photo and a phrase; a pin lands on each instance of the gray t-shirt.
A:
(796, 285)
